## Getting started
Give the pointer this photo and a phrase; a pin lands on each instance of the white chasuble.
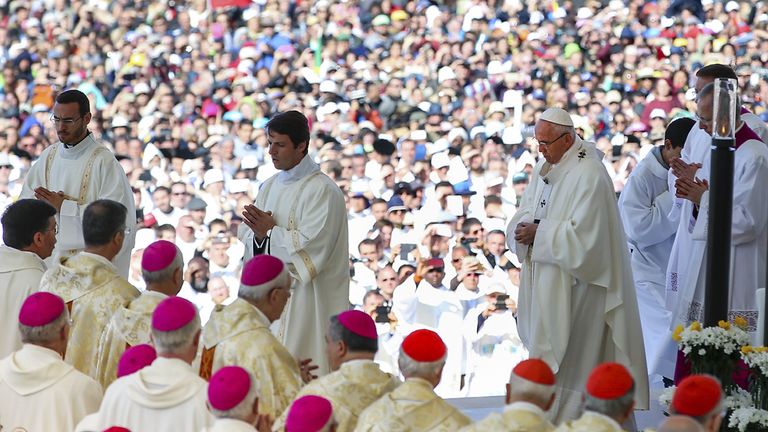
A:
(577, 306)
(311, 238)
(85, 173)
(20, 274)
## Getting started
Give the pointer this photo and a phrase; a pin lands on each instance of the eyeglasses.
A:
(6, 166)
(703, 120)
(546, 144)
(127, 231)
(389, 280)
(180, 194)
(479, 230)
(65, 121)
(55, 229)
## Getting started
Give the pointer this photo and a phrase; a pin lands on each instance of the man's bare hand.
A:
(525, 233)
(306, 367)
(682, 169)
(56, 199)
(692, 190)
(258, 221)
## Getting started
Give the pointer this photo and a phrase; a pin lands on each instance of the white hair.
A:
(530, 391)
(176, 341)
(412, 368)
(242, 410)
(166, 273)
(613, 408)
(44, 334)
(258, 292)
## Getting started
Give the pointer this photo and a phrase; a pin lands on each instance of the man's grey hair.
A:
(258, 292)
(176, 341)
(412, 368)
(46, 334)
(709, 91)
(613, 408)
(536, 393)
(680, 423)
(165, 274)
(242, 410)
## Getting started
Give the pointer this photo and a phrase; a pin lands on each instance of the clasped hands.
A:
(53, 198)
(258, 220)
(525, 232)
(687, 186)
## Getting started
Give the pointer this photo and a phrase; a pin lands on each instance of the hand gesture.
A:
(53, 198)
(692, 190)
(683, 170)
(306, 367)
(525, 233)
(258, 221)
(264, 423)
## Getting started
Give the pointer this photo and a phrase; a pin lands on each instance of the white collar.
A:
(302, 169)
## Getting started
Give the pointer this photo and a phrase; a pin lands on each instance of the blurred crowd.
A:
(421, 111)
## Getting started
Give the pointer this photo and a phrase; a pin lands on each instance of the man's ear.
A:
(667, 144)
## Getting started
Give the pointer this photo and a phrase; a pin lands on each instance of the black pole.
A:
(719, 232)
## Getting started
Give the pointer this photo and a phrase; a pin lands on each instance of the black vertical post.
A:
(719, 232)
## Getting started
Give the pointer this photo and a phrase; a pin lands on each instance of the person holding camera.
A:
(493, 343)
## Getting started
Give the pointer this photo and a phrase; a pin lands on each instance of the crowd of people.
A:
(418, 126)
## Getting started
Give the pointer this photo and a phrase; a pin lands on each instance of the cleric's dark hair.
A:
(102, 220)
(355, 343)
(23, 219)
(291, 123)
(678, 130)
(75, 96)
(717, 70)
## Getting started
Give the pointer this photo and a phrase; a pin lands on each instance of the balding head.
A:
(678, 423)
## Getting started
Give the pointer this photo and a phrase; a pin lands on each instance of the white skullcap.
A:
(557, 116)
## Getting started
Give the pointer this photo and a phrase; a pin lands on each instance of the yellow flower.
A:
(746, 349)
(761, 349)
(724, 325)
(696, 326)
(676, 334)
(740, 322)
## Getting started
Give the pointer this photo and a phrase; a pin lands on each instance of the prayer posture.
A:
(577, 305)
(530, 394)
(162, 268)
(300, 217)
(238, 334)
(414, 406)
(748, 227)
(29, 236)
(645, 204)
(38, 390)
(701, 398)
(356, 381)
(167, 395)
(75, 172)
(233, 399)
(90, 284)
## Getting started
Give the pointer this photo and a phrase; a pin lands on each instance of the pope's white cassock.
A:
(577, 307)
(686, 275)
(644, 206)
(165, 396)
(20, 274)
(40, 392)
(311, 238)
(85, 173)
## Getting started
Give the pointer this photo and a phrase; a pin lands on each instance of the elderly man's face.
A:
(704, 113)
(553, 143)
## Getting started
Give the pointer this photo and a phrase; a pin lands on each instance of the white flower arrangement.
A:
(742, 418)
(665, 398)
(756, 358)
(725, 337)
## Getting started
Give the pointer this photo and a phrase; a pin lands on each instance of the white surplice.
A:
(644, 206)
(577, 307)
(40, 392)
(85, 173)
(749, 238)
(311, 238)
(164, 396)
(230, 425)
(20, 274)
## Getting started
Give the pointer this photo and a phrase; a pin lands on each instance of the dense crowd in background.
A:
(422, 112)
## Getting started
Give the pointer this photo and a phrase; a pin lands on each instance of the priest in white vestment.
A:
(577, 306)
(29, 236)
(644, 206)
(749, 237)
(38, 390)
(162, 268)
(233, 398)
(300, 217)
(75, 172)
(530, 394)
(167, 395)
